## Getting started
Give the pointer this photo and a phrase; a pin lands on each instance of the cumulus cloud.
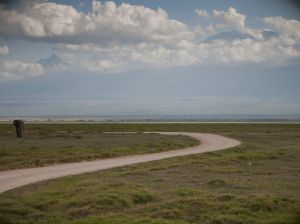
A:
(283, 25)
(202, 13)
(4, 50)
(100, 65)
(274, 51)
(39, 19)
(289, 28)
(224, 20)
(107, 23)
(144, 55)
(112, 38)
(247, 50)
(153, 56)
(274, 46)
(16, 70)
(230, 19)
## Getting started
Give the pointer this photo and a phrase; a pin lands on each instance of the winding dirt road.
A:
(11, 179)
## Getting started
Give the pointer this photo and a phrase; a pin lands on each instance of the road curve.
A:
(11, 179)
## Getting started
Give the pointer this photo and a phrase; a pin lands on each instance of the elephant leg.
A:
(19, 132)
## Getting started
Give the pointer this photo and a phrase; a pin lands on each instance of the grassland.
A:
(256, 182)
(43, 146)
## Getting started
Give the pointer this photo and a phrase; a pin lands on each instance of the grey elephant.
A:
(19, 125)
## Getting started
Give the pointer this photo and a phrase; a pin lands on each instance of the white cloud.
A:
(202, 13)
(230, 19)
(118, 58)
(114, 38)
(288, 28)
(145, 55)
(16, 70)
(4, 50)
(247, 50)
(15, 24)
(283, 25)
(39, 19)
(224, 20)
(99, 65)
(276, 50)
(106, 24)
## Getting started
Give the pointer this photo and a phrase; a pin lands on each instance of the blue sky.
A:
(102, 58)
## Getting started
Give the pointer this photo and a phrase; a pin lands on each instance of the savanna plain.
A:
(255, 182)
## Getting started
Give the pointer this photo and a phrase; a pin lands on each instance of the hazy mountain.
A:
(233, 35)
(52, 61)
(267, 34)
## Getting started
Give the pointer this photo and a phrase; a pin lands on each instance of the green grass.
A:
(256, 182)
(41, 147)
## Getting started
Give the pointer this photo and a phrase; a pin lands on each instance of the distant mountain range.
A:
(233, 35)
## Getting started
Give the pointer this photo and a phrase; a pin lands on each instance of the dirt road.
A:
(11, 179)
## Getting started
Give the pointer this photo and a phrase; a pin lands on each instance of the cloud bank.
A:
(16, 70)
(113, 38)
(105, 24)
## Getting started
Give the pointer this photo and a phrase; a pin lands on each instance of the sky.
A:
(149, 58)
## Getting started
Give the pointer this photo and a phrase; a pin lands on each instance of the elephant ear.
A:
(15, 123)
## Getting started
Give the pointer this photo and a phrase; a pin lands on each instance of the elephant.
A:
(19, 125)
